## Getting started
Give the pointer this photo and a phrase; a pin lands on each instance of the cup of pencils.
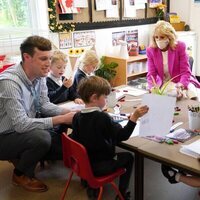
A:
(194, 117)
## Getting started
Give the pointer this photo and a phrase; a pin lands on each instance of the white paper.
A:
(159, 118)
(113, 10)
(194, 147)
(129, 8)
(102, 4)
(140, 4)
(80, 4)
(132, 91)
(72, 106)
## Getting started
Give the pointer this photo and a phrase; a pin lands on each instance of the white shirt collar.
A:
(56, 80)
(90, 109)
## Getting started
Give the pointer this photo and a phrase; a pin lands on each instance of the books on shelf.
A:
(192, 149)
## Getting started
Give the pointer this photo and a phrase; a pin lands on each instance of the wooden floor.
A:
(156, 187)
(54, 175)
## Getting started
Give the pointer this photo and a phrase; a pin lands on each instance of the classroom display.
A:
(101, 14)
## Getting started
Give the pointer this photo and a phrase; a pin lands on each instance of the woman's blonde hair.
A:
(89, 57)
(166, 29)
(59, 55)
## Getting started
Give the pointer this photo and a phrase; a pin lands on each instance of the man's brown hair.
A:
(32, 42)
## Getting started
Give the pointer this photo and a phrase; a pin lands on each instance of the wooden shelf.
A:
(137, 74)
(123, 76)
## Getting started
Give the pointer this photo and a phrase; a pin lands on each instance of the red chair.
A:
(76, 158)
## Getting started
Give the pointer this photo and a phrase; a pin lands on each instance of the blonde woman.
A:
(87, 64)
(167, 58)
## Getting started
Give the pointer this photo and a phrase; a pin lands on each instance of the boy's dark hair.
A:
(93, 85)
(32, 42)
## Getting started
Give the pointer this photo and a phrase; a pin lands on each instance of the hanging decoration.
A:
(54, 25)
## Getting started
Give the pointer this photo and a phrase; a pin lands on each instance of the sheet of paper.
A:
(132, 91)
(113, 10)
(72, 106)
(80, 4)
(129, 8)
(102, 5)
(159, 118)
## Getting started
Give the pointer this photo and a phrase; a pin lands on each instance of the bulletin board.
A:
(89, 18)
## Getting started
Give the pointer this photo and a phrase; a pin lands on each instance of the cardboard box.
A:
(179, 26)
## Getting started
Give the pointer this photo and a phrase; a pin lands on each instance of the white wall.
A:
(190, 13)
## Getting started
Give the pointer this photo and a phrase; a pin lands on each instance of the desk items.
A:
(132, 91)
(192, 149)
(194, 117)
(181, 134)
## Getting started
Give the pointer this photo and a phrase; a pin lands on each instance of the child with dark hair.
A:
(97, 131)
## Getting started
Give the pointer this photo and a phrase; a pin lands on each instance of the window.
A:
(14, 14)
(19, 19)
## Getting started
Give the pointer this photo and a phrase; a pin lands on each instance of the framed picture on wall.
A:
(196, 1)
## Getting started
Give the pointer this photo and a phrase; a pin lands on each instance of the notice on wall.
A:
(84, 38)
(117, 36)
(113, 10)
(154, 3)
(65, 40)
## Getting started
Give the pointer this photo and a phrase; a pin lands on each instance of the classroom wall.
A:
(190, 13)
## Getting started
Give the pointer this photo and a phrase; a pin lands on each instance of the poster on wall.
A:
(117, 36)
(132, 41)
(154, 3)
(65, 40)
(84, 38)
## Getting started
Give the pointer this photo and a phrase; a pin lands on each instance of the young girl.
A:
(59, 87)
(87, 64)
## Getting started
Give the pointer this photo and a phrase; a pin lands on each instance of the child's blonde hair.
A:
(57, 56)
(89, 57)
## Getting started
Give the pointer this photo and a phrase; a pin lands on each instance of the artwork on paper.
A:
(65, 40)
(132, 39)
(117, 36)
(67, 7)
(113, 10)
(84, 38)
(154, 3)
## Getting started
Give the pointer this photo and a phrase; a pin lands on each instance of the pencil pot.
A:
(194, 120)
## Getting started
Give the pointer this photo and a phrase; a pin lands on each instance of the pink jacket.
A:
(177, 62)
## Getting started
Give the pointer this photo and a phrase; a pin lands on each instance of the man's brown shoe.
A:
(30, 184)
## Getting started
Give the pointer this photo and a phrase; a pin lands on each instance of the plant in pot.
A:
(106, 70)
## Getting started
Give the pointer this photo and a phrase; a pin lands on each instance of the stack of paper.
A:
(192, 149)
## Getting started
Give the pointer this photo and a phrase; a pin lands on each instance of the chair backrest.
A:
(76, 158)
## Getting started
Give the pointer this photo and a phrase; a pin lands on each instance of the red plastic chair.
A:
(76, 158)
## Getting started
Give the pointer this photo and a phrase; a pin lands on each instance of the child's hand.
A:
(67, 82)
(139, 112)
(78, 101)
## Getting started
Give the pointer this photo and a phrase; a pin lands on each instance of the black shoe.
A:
(127, 196)
(169, 173)
(92, 193)
(84, 183)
